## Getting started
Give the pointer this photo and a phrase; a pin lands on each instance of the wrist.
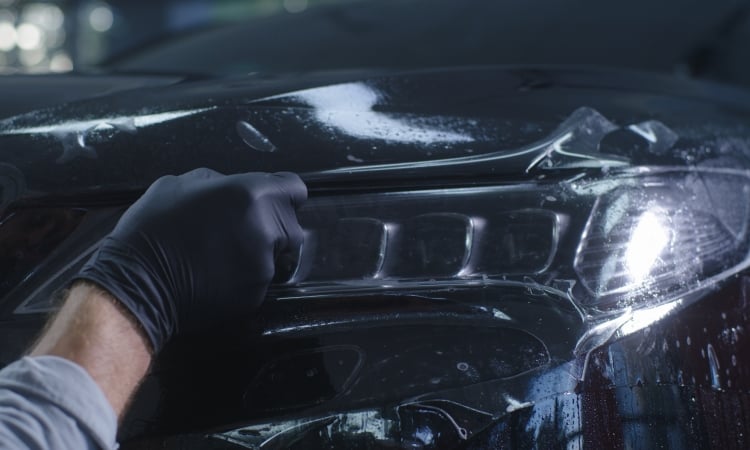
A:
(125, 274)
(99, 292)
(94, 331)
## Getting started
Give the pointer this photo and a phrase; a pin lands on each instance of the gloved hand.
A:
(198, 249)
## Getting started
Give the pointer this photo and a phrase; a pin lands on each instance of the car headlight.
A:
(626, 240)
(669, 234)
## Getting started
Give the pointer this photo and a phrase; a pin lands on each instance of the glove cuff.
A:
(120, 271)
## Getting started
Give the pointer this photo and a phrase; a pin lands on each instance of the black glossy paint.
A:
(126, 140)
(659, 388)
(430, 346)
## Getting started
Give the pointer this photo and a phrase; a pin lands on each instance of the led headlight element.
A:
(648, 241)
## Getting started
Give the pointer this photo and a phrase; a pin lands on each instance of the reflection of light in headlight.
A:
(648, 240)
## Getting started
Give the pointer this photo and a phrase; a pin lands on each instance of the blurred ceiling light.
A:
(54, 39)
(33, 57)
(7, 36)
(28, 36)
(45, 15)
(295, 6)
(101, 18)
(61, 62)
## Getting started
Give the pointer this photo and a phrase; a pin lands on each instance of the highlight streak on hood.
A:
(129, 123)
(349, 108)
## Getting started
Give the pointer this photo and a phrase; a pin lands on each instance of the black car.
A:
(494, 257)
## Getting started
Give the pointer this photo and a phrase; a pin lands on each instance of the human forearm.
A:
(95, 332)
(163, 270)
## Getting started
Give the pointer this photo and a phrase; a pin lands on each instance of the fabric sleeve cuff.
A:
(68, 386)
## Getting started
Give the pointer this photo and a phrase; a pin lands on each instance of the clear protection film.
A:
(497, 301)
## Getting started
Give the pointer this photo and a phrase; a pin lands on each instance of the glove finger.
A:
(201, 173)
(288, 245)
(285, 266)
(294, 236)
(294, 186)
(172, 185)
(287, 258)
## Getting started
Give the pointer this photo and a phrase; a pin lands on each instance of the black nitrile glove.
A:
(198, 249)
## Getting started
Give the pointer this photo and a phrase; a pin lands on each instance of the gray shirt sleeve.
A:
(47, 402)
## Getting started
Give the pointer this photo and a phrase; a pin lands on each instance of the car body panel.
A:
(444, 295)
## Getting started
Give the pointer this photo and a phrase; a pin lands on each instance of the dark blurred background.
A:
(687, 38)
(59, 36)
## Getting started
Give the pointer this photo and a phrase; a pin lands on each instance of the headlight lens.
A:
(626, 240)
(663, 237)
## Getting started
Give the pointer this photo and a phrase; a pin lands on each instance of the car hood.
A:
(354, 130)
